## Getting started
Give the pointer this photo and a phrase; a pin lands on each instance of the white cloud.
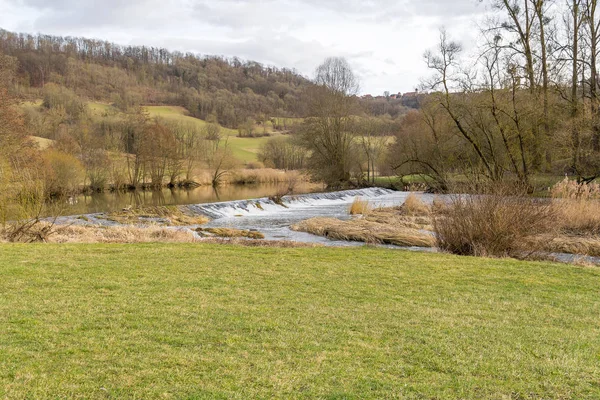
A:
(383, 39)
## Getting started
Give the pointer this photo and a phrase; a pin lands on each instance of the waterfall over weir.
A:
(266, 206)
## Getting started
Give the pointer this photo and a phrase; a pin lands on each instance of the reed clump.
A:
(570, 189)
(413, 205)
(578, 207)
(360, 207)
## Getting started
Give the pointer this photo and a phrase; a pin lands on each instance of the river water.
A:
(115, 201)
(274, 220)
(249, 208)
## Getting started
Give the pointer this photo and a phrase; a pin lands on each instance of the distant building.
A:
(411, 94)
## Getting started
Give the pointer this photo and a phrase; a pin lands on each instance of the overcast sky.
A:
(384, 40)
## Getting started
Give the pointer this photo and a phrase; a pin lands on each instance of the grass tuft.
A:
(413, 205)
(360, 207)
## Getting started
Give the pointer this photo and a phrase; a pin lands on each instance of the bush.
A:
(64, 173)
(496, 224)
(255, 165)
(56, 97)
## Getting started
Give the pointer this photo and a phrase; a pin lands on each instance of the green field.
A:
(204, 321)
(244, 149)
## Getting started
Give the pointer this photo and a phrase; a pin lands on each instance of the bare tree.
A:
(327, 133)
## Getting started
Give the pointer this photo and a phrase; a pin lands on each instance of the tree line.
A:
(526, 103)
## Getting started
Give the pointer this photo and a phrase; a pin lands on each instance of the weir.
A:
(267, 205)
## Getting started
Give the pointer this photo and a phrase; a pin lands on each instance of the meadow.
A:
(204, 321)
(245, 150)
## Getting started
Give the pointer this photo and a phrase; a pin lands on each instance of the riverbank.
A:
(205, 321)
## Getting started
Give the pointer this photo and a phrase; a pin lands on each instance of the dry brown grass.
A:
(263, 175)
(577, 207)
(578, 216)
(363, 230)
(413, 205)
(360, 207)
(398, 217)
(230, 233)
(251, 175)
(569, 189)
(160, 215)
(119, 234)
(588, 246)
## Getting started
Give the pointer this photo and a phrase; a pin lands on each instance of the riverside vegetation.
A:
(503, 222)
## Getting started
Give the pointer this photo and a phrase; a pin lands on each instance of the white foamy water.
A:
(266, 206)
(274, 220)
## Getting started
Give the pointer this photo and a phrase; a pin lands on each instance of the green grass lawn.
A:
(204, 321)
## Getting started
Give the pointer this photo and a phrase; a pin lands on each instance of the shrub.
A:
(63, 173)
(499, 223)
(255, 165)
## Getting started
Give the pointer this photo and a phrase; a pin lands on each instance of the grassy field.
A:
(203, 321)
(244, 149)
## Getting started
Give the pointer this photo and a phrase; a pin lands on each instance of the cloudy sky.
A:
(383, 40)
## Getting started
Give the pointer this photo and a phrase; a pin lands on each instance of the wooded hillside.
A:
(231, 89)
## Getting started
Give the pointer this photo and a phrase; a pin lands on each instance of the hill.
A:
(230, 89)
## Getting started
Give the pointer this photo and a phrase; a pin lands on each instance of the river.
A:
(114, 201)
